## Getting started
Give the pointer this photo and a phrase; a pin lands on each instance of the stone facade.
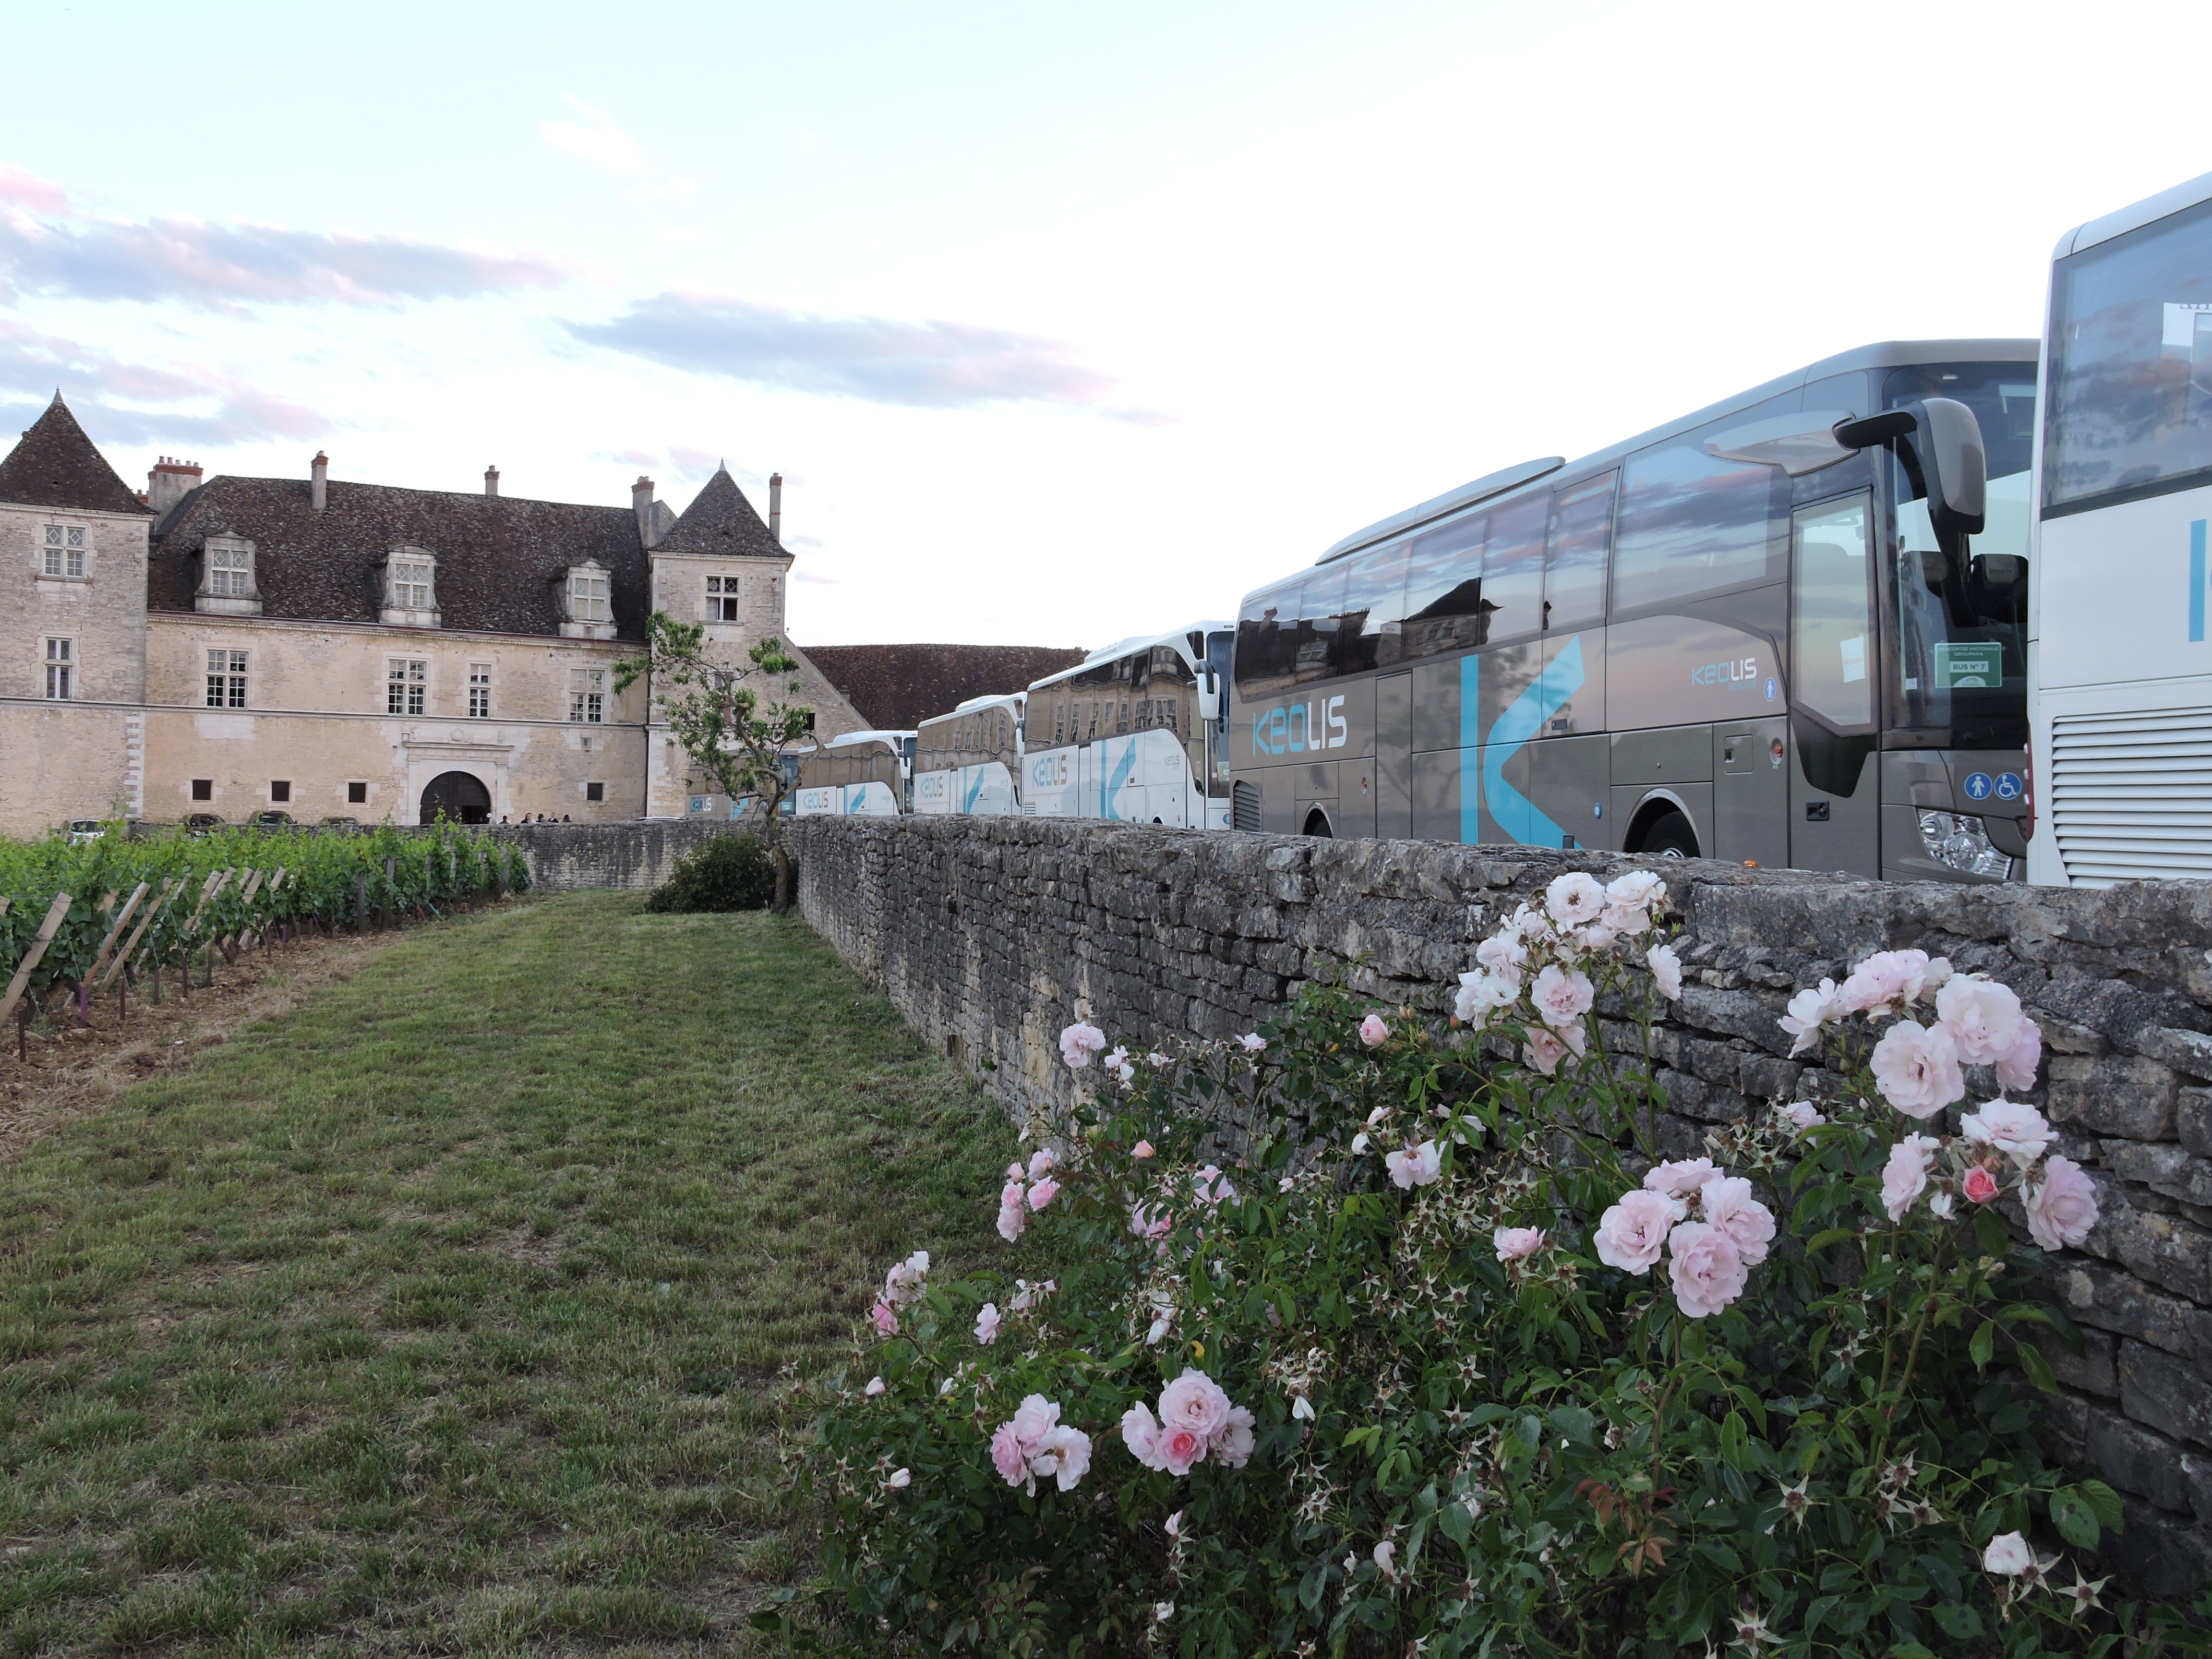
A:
(990, 934)
(236, 646)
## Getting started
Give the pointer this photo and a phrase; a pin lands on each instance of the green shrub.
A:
(730, 872)
(1461, 1365)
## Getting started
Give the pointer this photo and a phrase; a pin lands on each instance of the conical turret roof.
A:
(721, 520)
(56, 466)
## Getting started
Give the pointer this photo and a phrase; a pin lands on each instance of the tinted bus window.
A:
(1374, 604)
(1829, 654)
(1513, 566)
(1315, 655)
(1266, 638)
(1444, 609)
(2131, 361)
(1574, 570)
(1692, 523)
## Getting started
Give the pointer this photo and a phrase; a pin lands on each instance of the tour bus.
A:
(966, 760)
(2121, 670)
(1787, 630)
(862, 773)
(1133, 732)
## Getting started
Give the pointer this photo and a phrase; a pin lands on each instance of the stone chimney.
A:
(170, 481)
(641, 502)
(776, 507)
(319, 480)
(491, 483)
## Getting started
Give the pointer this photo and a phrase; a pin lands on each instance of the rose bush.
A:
(1450, 1359)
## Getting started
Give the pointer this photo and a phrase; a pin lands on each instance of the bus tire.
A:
(1318, 825)
(1669, 836)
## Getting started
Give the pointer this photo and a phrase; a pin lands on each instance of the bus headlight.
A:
(1959, 842)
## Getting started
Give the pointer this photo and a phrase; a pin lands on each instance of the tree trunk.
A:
(783, 877)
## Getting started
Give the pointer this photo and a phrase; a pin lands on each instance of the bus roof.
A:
(1887, 354)
(1177, 637)
(2134, 217)
(1009, 700)
(845, 738)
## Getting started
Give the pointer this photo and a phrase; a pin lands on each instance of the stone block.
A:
(2166, 1392)
(2166, 1249)
(1765, 1078)
(2163, 1556)
(2093, 1371)
(2192, 1119)
(2136, 1459)
(2124, 1095)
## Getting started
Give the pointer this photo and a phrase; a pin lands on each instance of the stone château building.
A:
(330, 649)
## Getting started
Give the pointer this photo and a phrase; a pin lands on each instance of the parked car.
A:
(339, 821)
(81, 830)
(272, 819)
(200, 823)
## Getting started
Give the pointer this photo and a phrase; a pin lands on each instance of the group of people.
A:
(539, 817)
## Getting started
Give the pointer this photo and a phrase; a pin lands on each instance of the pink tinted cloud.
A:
(190, 404)
(25, 190)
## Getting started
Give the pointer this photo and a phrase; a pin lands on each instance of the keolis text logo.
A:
(1298, 728)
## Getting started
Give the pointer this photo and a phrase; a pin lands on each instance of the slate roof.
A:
(56, 466)
(721, 520)
(500, 558)
(896, 687)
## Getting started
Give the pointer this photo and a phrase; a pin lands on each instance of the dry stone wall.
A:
(990, 934)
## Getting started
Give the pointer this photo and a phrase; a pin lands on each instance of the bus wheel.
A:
(1670, 836)
(1317, 825)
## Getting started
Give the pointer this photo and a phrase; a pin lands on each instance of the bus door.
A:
(1835, 797)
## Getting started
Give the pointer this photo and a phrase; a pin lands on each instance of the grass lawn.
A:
(440, 1315)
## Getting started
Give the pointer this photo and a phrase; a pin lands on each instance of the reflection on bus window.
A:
(1513, 567)
(1574, 573)
(1374, 603)
(1443, 607)
(1828, 653)
(2130, 367)
(1694, 524)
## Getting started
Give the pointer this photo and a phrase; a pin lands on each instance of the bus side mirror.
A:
(1209, 695)
(1946, 461)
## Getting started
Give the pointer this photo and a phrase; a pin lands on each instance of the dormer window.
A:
(587, 602)
(410, 587)
(227, 585)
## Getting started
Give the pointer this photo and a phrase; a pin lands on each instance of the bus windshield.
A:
(2131, 362)
(1961, 658)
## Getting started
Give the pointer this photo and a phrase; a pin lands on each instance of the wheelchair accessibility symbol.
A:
(2008, 786)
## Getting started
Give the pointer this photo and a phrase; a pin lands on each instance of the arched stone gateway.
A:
(459, 796)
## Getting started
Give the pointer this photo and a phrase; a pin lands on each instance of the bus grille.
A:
(2131, 795)
(1244, 807)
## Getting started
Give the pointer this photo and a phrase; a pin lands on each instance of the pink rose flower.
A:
(1012, 1218)
(2008, 1555)
(2017, 1068)
(1232, 1445)
(1574, 899)
(987, 1323)
(1374, 1030)
(1142, 1149)
(1980, 1185)
(1886, 981)
(1386, 1559)
(1179, 1448)
(1080, 1043)
(904, 1284)
(2009, 1127)
(900, 1480)
(1482, 994)
(1034, 1420)
(1213, 1187)
(1708, 1270)
(1726, 1204)
(1254, 1043)
(1065, 1457)
(1801, 1115)
(1811, 1010)
(1141, 1435)
(1195, 1401)
(1546, 1051)
(1041, 1162)
(1561, 998)
(1148, 1226)
(1917, 1068)
(886, 1321)
(1414, 1166)
(1007, 1456)
(1639, 889)
(1666, 970)
(1505, 957)
(2063, 1208)
(1624, 919)
(1043, 1193)
(1678, 1177)
(1982, 1017)
(1514, 1243)
(1631, 1234)
(875, 1387)
(1905, 1176)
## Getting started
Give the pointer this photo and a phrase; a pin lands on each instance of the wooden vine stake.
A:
(170, 888)
(47, 929)
(122, 920)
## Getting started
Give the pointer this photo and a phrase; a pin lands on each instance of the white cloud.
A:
(601, 142)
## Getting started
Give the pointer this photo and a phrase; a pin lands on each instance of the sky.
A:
(1061, 323)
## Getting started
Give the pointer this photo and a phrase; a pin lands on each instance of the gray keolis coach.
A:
(1787, 629)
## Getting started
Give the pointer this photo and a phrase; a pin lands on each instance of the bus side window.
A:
(1513, 567)
(1574, 564)
(1692, 523)
(1374, 603)
(1267, 638)
(1831, 642)
(1443, 607)
(1321, 623)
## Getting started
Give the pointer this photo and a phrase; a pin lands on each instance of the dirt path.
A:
(76, 1070)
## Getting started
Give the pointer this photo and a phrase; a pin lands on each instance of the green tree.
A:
(733, 736)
